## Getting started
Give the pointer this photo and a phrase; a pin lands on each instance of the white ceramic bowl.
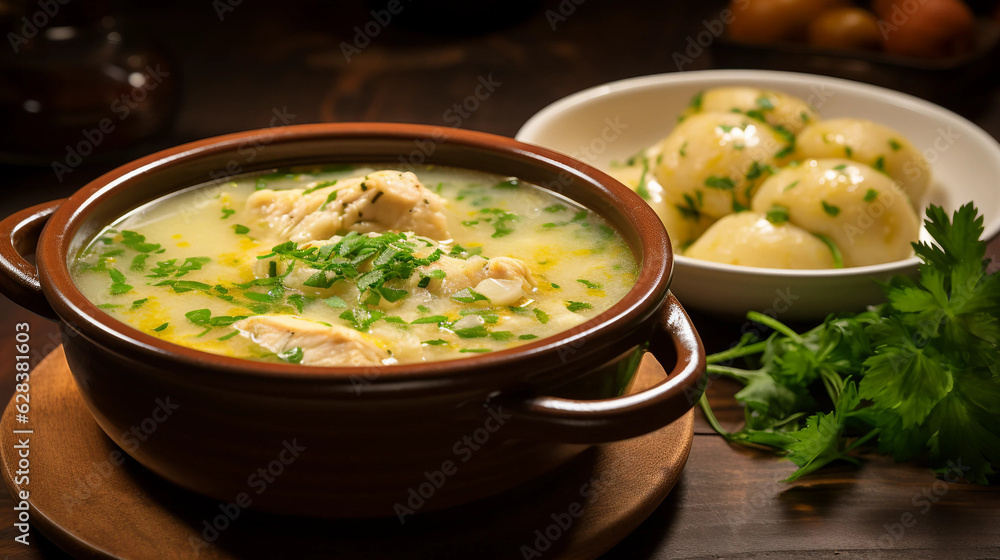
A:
(614, 121)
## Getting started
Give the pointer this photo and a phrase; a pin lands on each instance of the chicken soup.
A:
(357, 266)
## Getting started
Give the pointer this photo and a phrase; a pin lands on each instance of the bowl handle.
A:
(19, 235)
(598, 421)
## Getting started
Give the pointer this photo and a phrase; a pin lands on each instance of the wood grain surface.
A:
(267, 57)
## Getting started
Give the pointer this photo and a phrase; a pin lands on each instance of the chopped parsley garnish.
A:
(118, 283)
(468, 295)
(895, 145)
(511, 183)
(432, 319)
(361, 319)
(171, 268)
(554, 208)
(757, 170)
(528, 336)
(226, 212)
(848, 151)
(683, 150)
(391, 256)
(162, 327)
(871, 195)
(542, 316)
(879, 163)
(204, 318)
(690, 210)
(789, 141)
(577, 306)
(475, 350)
(830, 209)
(292, 356)
(777, 214)
(590, 285)
(765, 103)
(138, 303)
(137, 242)
(641, 189)
(335, 302)
(721, 183)
(501, 220)
(478, 331)
(554, 285)
(320, 185)
(329, 198)
(791, 186)
(838, 258)
(299, 301)
(139, 263)
(241, 229)
(228, 336)
(435, 342)
(695, 103)
(436, 274)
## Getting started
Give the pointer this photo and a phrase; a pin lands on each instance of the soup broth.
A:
(357, 265)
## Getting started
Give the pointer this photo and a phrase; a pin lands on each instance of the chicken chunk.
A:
(320, 345)
(377, 202)
(469, 273)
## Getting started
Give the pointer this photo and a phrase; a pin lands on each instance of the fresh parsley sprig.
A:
(919, 375)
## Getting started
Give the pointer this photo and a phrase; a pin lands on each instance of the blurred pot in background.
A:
(76, 81)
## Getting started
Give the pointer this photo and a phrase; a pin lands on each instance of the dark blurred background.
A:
(159, 74)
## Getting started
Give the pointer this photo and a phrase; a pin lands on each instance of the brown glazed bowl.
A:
(358, 442)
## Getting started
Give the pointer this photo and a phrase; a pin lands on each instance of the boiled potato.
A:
(861, 211)
(776, 108)
(682, 226)
(751, 239)
(712, 162)
(873, 144)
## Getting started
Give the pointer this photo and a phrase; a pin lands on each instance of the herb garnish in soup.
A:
(355, 266)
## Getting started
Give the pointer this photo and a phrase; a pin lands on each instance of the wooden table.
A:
(262, 58)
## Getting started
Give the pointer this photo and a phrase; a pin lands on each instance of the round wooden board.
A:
(92, 500)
